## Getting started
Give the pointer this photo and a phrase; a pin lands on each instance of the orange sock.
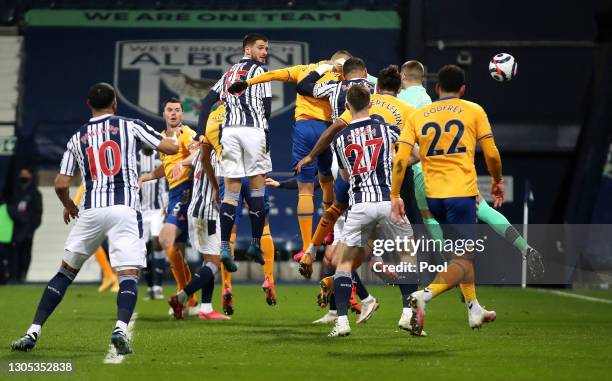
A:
(226, 276)
(103, 262)
(327, 188)
(305, 211)
(267, 245)
(177, 265)
(326, 224)
(455, 273)
(468, 288)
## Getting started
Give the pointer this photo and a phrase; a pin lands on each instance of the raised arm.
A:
(323, 143)
(307, 85)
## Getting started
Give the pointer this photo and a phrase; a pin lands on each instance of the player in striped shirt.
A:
(105, 151)
(246, 150)
(365, 151)
(312, 117)
(154, 203)
(203, 233)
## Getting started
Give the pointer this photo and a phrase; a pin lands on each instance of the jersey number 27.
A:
(358, 169)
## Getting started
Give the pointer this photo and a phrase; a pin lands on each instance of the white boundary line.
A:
(111, 356)
(576, 296)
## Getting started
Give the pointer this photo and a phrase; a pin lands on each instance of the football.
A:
(502, 67)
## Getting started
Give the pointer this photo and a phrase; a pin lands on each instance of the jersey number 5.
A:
(357, 168)
(103, 159)
(452, 149)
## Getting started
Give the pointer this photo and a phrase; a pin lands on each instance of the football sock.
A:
(362, 292)
(267, 246)
(127, 297)
(469, 291)
(343, 285)
(332, 303)
(326, 224)
(206, 308)
(406, 290)
(203, 277)
(446, 280)
(226, 276)
(327, 188)
(158, 265)
(103, 262)
(227, 215)
(149, 270)
(177, 266)
(257, 215)
(187, 270)
(52, 296)
(209, 288)
(501, 226)
(305, 212)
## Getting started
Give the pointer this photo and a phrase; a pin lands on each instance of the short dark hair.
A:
(101, 96)
(358, 97)
(251, 38)
(451, 78)
(414, 70)
(171, 100)
(390, 79)
(353, 64)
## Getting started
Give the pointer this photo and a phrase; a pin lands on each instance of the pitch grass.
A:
(537, 336)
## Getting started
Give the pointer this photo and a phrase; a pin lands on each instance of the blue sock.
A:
(127, 297)
(343, 286)
(200, 279)
(158, 275)
(332, 303)
(407, 289)
(258, 218)
(207, 291)
(52, 296)
(227, 216)
(362, 292)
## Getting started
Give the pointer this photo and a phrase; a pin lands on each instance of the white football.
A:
(502, 67)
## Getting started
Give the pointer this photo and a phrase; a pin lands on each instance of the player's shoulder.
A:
(186, 129)
(471, 106)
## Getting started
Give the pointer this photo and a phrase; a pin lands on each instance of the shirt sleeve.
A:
(145, 133)
(69, 163)
(408, 134)
(325, 89)
(483, 128)
(338, 155)
(218, 87)
(394, 133)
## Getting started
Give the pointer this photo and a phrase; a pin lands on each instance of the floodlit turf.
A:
(536, 336)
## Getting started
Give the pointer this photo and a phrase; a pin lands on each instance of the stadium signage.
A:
(359, 19)
(149, 71)
(7, 145)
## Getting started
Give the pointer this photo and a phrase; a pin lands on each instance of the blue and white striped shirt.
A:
(252, 107)
(202, 204)
(335, 92)
(105, 150)
(153, 194)
(365, 149)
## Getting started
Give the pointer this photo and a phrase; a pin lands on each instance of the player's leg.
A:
(159, 263)
(148, 271)
(204, 237)
(83, 240)
(109, 280)
(227, 215)
(227, 297)
(323, 299)
(267, 246)
(504, 228)
(432, 226)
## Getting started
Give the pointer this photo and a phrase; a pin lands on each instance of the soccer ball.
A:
(502, 67)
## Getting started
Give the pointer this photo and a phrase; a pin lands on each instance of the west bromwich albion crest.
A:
(149, 71)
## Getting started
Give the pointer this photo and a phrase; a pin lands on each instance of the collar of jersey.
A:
(99, 118)
(361, 121)
(445, 98)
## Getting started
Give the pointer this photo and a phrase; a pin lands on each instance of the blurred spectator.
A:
(25, 208)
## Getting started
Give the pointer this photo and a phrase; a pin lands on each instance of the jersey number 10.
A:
(102, 158)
